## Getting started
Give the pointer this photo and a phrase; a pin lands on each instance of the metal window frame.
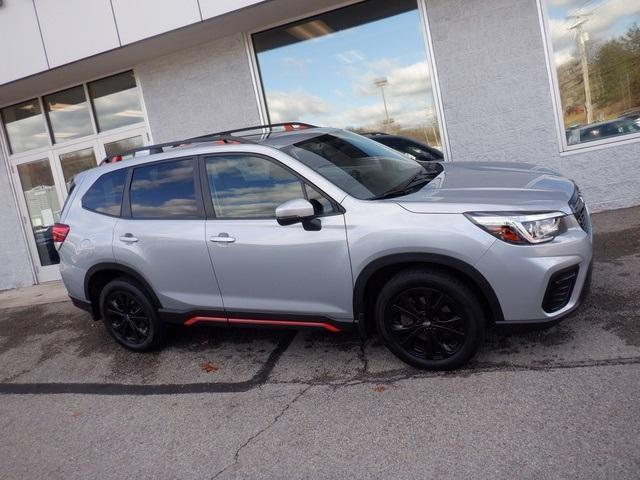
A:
(258, 86)
(564, 148)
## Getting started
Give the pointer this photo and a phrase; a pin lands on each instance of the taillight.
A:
(59, 233)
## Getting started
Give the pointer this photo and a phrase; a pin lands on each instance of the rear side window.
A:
(105, 195)
(164, 190)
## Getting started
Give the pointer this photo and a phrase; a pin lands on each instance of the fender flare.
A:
(453, 263)
(101, 267)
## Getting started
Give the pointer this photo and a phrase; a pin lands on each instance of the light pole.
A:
(381, 83)
(582, 38)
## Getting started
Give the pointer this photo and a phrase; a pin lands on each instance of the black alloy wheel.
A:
(430, 319)
(426, 323)
(129, 316)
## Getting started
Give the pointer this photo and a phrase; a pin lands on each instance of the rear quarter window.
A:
(105, 195)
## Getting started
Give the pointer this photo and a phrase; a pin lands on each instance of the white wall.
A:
(21, 49)
(37, 35)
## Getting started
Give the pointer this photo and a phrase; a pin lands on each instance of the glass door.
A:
(42, 202)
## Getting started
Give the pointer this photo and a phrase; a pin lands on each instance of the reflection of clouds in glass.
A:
(166, 176)
(70, 123)
(255, 201)
(408, 93)
(175, 207)
(608, 19)
(118, 109)
(27, 133)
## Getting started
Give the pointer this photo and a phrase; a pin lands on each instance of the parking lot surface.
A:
(220, 403)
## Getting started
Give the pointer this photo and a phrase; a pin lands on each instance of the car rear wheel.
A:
(130, 317)
(430, 319)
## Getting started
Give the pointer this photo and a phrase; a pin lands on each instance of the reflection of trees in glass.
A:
(614, 72)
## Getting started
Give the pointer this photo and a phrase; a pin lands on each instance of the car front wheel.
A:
(430, 319)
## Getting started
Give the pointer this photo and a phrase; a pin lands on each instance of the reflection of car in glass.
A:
(322, 228)
(633, 115)
(416, 150)
(600, 130)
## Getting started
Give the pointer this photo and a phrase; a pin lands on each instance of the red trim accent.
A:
(194, 320)
(287, 323)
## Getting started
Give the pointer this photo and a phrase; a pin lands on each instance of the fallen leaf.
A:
(379, 389)
(209, 367)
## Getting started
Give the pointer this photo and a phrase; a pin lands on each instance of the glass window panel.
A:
(68, 114)
(321, 204)
(105, 195)
(362, 67)
(164, 190)
(119, 146)
(596, 53)
(43, 206)
(249, 187)
(116, 101)
(75, 162)
(25, 127)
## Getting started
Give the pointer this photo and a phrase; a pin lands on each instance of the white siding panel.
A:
(21, 50)
(213, 8)
(74, 29)
(145, 18)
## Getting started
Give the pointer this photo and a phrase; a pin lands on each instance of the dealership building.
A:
(551, 82)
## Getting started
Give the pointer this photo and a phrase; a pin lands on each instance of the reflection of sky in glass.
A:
(115, 101)
(606, 19)
(68, 114)
(249, 187)
(163, 191)
(329, 79)
(25, 126)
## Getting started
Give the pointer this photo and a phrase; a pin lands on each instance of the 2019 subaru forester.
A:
(322, 228)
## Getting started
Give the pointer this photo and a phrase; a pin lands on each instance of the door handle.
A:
(128, 238)
(222, 238)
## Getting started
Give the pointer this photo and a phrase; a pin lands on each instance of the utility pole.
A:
(381, 83)
(581, 38)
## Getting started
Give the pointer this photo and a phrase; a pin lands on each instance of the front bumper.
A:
(520, 276)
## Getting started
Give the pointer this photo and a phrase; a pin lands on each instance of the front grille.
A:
(580, 210)
(559, 289)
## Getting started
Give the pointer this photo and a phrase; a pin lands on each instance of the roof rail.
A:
(159, 147)
(224, 137)
(287, 126)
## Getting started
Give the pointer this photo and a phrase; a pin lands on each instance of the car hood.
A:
(491, 186)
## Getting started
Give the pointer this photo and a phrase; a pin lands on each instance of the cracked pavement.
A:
(218, 403)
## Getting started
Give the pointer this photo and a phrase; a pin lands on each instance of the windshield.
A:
(359, 166)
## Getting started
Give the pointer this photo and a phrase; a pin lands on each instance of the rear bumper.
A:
(81, 304)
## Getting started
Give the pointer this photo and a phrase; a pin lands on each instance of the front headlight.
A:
(521, 228)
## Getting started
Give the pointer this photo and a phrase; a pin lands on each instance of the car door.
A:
(162, 235)
(268, 272)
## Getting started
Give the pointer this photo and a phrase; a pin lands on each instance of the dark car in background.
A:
(600, 130)
(416, 150)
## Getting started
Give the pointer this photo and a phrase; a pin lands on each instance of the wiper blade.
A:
(419, 179)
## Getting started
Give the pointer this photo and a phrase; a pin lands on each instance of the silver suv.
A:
(321, 228)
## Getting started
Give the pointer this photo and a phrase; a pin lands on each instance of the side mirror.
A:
(294, 211)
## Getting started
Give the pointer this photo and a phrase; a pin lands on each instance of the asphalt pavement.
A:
(219, 403)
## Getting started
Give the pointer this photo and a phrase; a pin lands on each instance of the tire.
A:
(130, 317)
(430, 319)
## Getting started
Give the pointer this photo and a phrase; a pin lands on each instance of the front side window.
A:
(362, 67)
(25, 127)
(249, 187)
(105, 195)
(164, 190)
(116, 102)
(596, 56)
(360, 166)
(68, 114)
